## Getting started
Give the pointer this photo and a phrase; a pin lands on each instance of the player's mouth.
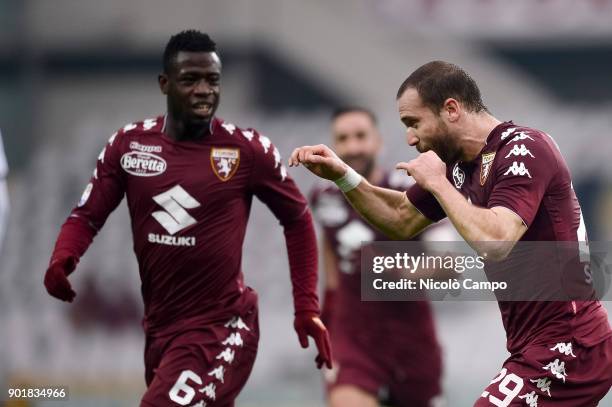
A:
(203, 108)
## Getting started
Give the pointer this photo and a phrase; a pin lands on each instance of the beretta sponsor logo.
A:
(143, 164)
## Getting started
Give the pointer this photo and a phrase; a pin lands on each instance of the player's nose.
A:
(411, 138)
(202, 88)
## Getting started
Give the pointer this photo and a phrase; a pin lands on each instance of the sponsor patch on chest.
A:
(485, 167)
(143, 164)
(224, 162)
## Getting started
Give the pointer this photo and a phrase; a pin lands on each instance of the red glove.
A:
(56, 278)
(309, 324)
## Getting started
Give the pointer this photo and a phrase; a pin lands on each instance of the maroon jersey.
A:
(523, 170)
(189, 203)
(406, 328)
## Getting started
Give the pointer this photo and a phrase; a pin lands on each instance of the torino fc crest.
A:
(224, 162)
(485, 168)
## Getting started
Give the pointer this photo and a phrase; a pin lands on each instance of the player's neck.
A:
(474, 138)
(180, 131)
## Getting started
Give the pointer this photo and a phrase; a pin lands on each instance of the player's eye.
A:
(361, 135)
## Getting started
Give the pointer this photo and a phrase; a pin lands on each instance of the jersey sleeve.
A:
(101, 196)
(271, 183)
(273, 186)
(523, 170)
(425, 203)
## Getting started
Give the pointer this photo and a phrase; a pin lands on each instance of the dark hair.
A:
(188, 40)
(339, 111)
(438, 80)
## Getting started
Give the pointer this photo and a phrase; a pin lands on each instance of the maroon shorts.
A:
(207, 366)
(559, 374)
(390, 373)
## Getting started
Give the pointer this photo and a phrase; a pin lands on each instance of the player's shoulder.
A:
(517, 135)
(251, 138)
(321, 190)
(328, 204)
(152, 126)
(256, 145)
(522, 142)
(397, 180)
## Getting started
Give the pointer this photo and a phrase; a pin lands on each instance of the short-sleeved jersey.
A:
(408, 324)
(189, 203)
(523, 170)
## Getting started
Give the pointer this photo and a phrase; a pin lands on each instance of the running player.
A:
(406, 371)
(189, 178)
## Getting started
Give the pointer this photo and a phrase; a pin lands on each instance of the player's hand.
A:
(428, 170)
(308, 324)
(320, 160)
(56, 280)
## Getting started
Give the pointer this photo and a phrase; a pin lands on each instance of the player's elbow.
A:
(495, 250)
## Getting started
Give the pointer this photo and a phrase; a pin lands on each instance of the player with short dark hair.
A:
(407, 369)
(498, 183)
(189, 178)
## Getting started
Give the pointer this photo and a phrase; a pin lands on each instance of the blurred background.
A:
(73, 71)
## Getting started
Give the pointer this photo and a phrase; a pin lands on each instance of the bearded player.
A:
(189, 179)
(505, 183)
(406, 370)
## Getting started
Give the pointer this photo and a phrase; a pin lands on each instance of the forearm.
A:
(482, 228)
(303, 262)
(389, 211)
(75, 236)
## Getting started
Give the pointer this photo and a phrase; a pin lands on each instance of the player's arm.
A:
(492, 232)
(388, 210)
(272, 185)
(512, 205)
(101, 196)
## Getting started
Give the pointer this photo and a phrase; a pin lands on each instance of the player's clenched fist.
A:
(309, 324)
(320, 160)
(56, 278)
(427, 169)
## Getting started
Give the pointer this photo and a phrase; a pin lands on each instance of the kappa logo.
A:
(518, 169)
(218, 373)
(143, 164)
(531, 399)
(485, 167)
(224, 162)
(557, 369)
(521, 136)
(543, 384)
(507, 133)
(86, 194)
(521, 151)
(458, 176)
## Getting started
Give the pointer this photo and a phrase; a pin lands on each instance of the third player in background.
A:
(384, 352)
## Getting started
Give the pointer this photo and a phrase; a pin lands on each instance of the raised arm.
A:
(389, 211)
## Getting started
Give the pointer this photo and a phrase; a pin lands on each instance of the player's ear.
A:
(451, 109)
(162, 79)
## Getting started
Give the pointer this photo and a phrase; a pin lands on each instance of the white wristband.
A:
(348, 181)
